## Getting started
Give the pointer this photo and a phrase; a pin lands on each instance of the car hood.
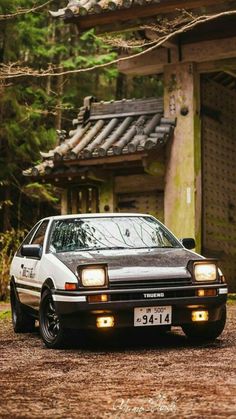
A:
(134, 263)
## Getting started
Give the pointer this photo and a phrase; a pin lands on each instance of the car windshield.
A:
(131, 232)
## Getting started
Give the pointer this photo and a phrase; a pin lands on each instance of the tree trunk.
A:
(59, 91)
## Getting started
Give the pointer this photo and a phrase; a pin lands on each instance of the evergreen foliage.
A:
(9, 242)
(32, 109)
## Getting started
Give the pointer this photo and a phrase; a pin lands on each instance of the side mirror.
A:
(31, 250)
(188, 243)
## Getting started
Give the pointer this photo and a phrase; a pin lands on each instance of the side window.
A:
(40, 234)
(27, 238)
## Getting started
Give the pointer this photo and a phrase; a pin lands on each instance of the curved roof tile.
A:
(108, 129)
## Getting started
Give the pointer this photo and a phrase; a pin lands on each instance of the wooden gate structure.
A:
(194, 171)
(218, 98)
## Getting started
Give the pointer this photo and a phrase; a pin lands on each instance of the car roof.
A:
(97, 215)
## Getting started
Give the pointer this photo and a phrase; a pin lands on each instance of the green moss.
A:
(231, 299)
(198, 240)
(178, 180)
(155, 169)
(106, 195)
(172, 85)
(5, 315)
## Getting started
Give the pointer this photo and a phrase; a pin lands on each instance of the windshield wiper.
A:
(164, 247)
(88, 249)
(113, 248)
(118, 247)
(95, 249)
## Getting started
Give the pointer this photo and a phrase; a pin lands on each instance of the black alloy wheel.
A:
(51, 329)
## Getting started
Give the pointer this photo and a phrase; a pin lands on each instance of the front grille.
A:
(131, 296)
(142, 283)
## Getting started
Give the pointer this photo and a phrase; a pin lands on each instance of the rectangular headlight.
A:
(205, 272)
(93, 277)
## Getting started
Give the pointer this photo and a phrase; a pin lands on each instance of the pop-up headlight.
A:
(93, 276)
(205, 272)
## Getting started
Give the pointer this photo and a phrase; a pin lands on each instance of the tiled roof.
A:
(77, 8)
(115, 128)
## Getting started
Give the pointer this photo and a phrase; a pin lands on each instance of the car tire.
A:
(22, 321)
(208, 331)
(52, 332)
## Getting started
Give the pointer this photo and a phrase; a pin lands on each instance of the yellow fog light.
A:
(107, 321)
(200, 316)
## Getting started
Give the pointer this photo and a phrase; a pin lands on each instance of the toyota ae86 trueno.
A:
(106, 271)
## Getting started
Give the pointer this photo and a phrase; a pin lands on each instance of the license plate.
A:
(152, 316)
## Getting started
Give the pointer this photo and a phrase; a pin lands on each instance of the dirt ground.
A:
(121, 376)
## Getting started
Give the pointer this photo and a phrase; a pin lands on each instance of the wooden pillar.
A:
(64, 202)
(182, 203)
(74, 201)
(106, 196)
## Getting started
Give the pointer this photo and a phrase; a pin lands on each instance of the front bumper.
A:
(76, 312)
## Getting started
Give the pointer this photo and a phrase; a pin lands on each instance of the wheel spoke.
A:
(51, 306)
(51, 320)
(55, 329)
(51, 325)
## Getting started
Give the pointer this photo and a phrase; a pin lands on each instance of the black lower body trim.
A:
(76, 317)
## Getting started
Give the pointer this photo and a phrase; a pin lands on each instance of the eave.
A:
(122, 16)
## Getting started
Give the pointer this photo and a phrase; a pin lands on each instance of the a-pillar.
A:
(182, 203)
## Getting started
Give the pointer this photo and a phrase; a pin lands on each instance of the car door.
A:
(16, 266)
(30, 290)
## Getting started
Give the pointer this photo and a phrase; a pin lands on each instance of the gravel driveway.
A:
(121, 376)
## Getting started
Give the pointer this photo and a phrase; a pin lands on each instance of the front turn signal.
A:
(70, 286)
(102, 298)
(206, 292)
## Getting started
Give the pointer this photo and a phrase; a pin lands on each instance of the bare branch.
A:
(15, 71)
(24, 11)
(163, 27)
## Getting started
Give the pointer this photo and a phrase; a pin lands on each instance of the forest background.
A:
(33, 109)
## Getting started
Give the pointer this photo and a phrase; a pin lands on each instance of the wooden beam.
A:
(231, 73)
(223, 27)
(154, 61)
(107, 160)
(98, 175)
(137, 183)
(135, 12)
(217, 65)
(152, 35)
(149, 63)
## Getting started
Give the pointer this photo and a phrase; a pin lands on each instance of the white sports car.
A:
(113, 271)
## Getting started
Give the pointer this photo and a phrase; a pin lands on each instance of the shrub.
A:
(9, 243)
